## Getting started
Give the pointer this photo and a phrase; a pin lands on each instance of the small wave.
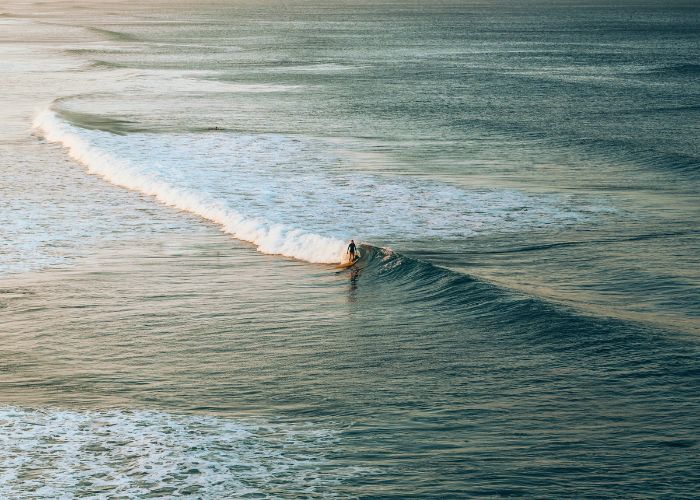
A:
(680, 69)
(98, 63)
(169, 81)
(313, 68)
(270, 238)
(61, 453)
(561, 244)
(119, 36)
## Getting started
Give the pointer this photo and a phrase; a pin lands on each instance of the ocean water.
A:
(178, 181)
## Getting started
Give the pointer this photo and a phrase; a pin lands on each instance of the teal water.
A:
(523, 179)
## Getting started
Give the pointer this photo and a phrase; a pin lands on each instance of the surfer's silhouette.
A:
(352, 250)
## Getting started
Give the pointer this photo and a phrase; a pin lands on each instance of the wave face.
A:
(62, 453)
(289, 196)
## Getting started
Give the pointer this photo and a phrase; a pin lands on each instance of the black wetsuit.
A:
(351, 249)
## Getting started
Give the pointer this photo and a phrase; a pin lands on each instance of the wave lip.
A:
(270, 238)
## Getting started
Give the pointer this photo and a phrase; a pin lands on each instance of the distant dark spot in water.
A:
(14, 293)
(640, 237)
(679, 443)
(679, 69)
(9, 294)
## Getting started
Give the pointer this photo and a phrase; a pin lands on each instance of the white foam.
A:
(271, 238)
(64, 454)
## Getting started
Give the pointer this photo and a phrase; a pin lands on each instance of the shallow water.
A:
(523, 180)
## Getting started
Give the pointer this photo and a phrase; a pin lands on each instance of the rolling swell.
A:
(563, 244)
(678, 69)
(520, 317)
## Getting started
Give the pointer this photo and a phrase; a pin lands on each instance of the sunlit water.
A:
(524, 182)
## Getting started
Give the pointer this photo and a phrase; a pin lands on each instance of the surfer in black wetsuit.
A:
(352, 249)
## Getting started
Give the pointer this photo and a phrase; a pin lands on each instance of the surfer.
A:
(352, 249)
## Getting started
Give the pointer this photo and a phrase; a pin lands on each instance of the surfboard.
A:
(350, 263)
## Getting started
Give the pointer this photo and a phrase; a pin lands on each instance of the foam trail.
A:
(277, 239)
(54, 453)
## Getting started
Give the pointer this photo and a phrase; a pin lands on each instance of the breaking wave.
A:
(270, 238)
(290, 195)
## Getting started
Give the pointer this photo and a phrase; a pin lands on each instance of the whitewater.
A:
(269, 238)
